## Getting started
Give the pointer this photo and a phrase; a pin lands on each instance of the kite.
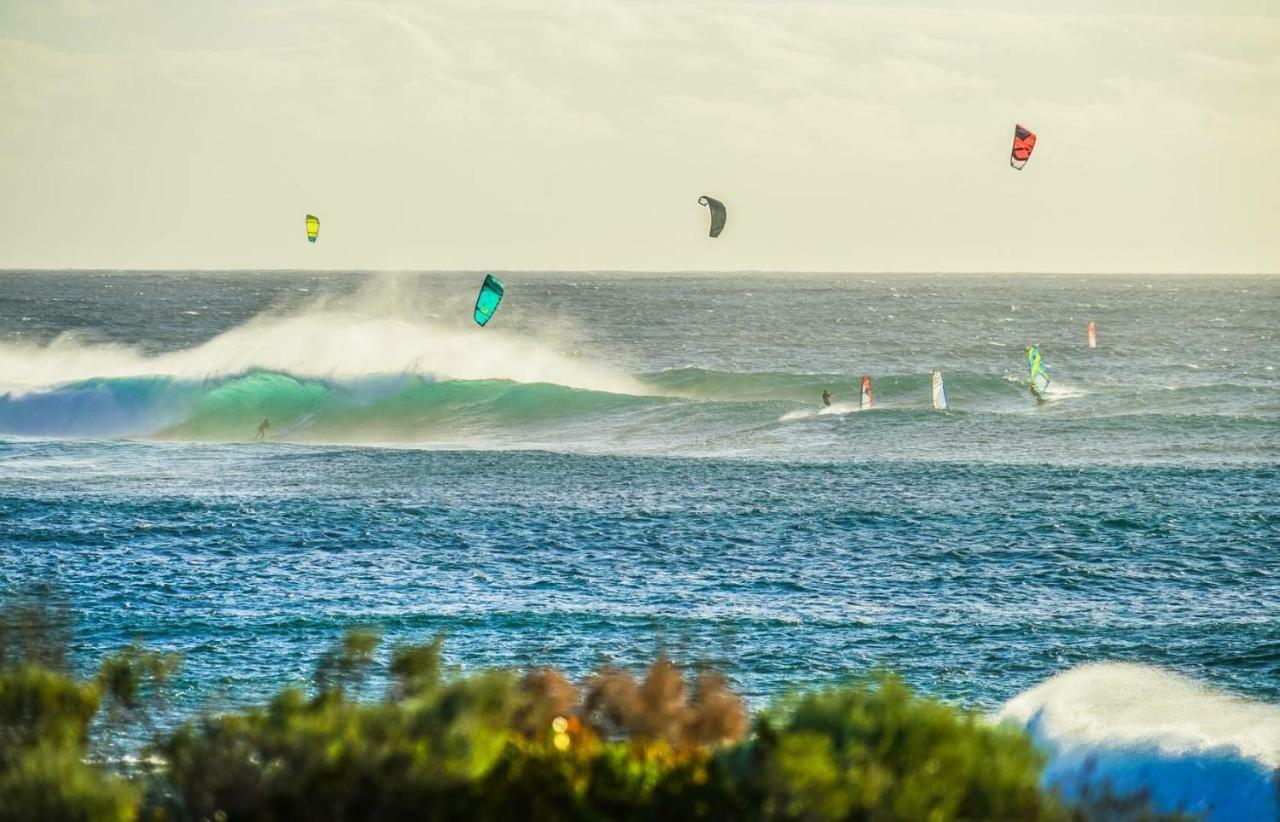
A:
(1024, 140)
(488, 299)
(718, 213)
(313, 227)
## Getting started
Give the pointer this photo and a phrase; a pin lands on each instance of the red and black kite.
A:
(1024, 140)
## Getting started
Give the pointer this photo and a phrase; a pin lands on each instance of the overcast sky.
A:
(578, 134)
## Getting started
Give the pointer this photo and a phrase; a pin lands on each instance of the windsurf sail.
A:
(718, 213)
(939, 391)
(1024, 141)
(864, 401)
(1036, 376)
(313, 228)
(1092, 331)
(487, 300)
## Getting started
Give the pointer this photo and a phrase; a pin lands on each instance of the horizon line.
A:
(608, 271)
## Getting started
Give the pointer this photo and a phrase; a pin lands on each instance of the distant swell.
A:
(374, 408)
(413, 407)
(410, 407)
(378, 369)
(894, 389)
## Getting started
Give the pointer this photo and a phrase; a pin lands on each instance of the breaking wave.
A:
(320, 344)
(386, 372)
(1139, 729)
(374, 408)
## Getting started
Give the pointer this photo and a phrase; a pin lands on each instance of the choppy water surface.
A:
(621, 463)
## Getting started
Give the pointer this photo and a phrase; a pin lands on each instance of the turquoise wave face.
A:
(691, 410)
(365, 409)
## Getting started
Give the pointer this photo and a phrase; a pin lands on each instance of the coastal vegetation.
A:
(437, 743)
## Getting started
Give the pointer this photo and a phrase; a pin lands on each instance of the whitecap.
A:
(1140, 728)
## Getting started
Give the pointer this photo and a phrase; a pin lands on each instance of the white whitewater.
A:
(1140, 728)
(323, 341)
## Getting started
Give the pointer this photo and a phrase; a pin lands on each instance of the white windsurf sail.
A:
(864, 402)
(939, 391)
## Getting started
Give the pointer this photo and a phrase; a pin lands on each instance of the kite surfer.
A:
(262, 429)
(826, 398)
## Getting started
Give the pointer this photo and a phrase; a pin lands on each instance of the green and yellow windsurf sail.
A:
(1036, 376)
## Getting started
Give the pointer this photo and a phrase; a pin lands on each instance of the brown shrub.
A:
(657, 707)
(547, 694)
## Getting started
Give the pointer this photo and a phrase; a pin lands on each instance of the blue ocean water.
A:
(624, 463)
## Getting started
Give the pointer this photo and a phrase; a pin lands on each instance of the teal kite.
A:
(488, 299)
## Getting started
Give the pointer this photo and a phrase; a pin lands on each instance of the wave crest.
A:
(1139, 728)
(323, 344)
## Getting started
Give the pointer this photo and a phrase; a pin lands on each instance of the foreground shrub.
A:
(48, 748)
(493, 745)
(876, 751)
(44, 735)
(52, 783)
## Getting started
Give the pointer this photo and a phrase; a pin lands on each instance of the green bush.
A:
(875, 751)
(41, 708)
(47, 769)
(493, 745)
(44, 724)
(53, 783)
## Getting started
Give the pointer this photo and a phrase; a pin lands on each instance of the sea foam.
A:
(1135, 728)
(327, 341)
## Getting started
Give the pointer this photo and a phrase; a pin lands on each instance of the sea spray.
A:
(381, 330)
(324, 344)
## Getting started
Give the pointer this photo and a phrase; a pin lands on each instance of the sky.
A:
(579, 134)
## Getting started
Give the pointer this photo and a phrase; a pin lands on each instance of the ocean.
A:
(621, 464)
